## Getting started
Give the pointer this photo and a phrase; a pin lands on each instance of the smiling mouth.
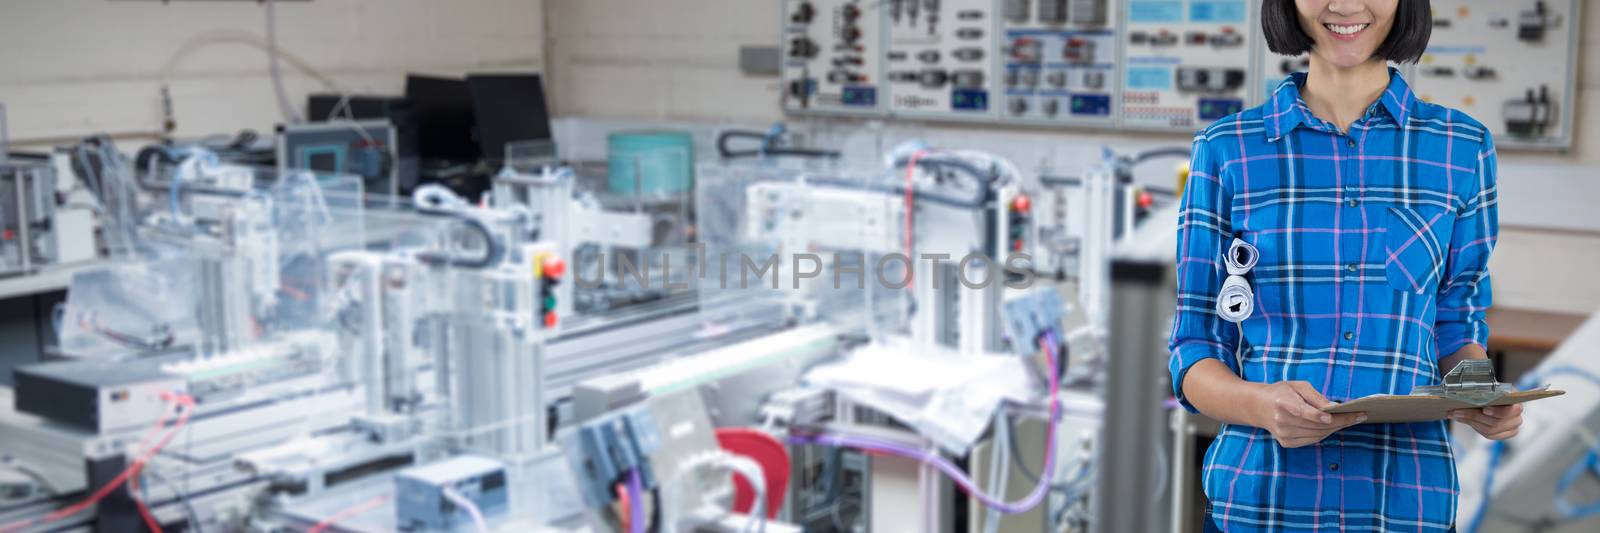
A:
(1346, 30)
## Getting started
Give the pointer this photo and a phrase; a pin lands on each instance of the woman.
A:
(1374, 215)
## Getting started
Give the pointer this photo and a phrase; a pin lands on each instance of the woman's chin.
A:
(1351, 60)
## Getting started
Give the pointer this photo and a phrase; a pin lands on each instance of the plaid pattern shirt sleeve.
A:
(1204, 233)
(1374, 246)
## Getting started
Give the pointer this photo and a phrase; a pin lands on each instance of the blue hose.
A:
(1589, 462)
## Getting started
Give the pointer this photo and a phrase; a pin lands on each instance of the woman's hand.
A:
(1292, 412)
(1494, 423)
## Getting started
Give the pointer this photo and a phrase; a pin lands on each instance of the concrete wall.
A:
(678, 61)
(73, 67)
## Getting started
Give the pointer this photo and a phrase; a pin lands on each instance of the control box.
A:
(1186, 62)
(95, 395)
(603, 451)
(938, 57)
(830, 55)
(1059, 61)
(420, 501)
(1510, 64)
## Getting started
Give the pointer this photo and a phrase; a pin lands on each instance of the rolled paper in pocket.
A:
(1242, 256)
(1235, 301)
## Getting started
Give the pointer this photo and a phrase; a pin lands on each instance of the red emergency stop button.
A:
(1021, 203)
(553, 267)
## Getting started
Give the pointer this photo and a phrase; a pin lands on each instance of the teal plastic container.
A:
(650, 162)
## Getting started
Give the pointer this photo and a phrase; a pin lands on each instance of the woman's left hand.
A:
(1494, 423)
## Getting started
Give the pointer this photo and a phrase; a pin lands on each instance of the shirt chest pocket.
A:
(1416, 247)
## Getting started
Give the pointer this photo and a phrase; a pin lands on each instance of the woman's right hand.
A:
(1292, 412)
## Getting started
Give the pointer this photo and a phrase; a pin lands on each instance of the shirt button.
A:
(1352, 143)
(1349, 335)
(1351, 267)
(1353, 202)
(1333, 467)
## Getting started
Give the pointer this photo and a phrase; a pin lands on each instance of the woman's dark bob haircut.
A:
(1408, 39)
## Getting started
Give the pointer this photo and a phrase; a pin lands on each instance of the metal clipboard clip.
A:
(1471, 381)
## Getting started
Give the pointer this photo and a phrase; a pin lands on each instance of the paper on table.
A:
(946, 397)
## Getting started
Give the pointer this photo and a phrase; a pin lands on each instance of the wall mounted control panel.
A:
(1166, 65)
(1059, 61)
(1187, 62)
(1508, 63)
(831, 52)
(938, 57)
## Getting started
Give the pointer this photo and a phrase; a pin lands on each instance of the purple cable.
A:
(961, 479)
(635, 502)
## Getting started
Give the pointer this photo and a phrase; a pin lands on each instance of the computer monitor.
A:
(444, 118)
(508, 108)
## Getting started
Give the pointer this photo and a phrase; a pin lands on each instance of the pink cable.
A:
(944, 465)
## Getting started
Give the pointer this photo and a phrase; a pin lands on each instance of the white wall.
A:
(678, 61)
(660, 59)
(73, 67)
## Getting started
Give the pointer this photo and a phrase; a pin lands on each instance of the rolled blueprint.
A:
(1241, 257)
(1235, 301)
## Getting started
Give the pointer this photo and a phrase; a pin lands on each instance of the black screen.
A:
(509, 107)
(325, 162)
(444, 118)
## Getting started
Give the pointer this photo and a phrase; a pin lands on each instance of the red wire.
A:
(133, 481)
(185, 405)
(144, 511)
(370, 504)
(624, 514)
(911, 172)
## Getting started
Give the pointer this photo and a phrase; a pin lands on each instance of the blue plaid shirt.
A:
(1374, 264)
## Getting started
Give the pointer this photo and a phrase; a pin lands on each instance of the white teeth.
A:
(1346, 30)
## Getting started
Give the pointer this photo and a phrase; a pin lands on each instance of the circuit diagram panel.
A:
(1508, 63)
(830, 54)
(1059, 61)
(1187, 62)
(939, 56)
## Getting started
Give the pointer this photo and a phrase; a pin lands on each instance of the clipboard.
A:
(1471, 384)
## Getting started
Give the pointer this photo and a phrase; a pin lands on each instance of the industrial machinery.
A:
(47, 217)
(1547, 478)
(27, 208)
(310, 354)
(273, 351)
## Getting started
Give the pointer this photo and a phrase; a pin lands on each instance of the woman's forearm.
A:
(1470, 351)
(1220, 394)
